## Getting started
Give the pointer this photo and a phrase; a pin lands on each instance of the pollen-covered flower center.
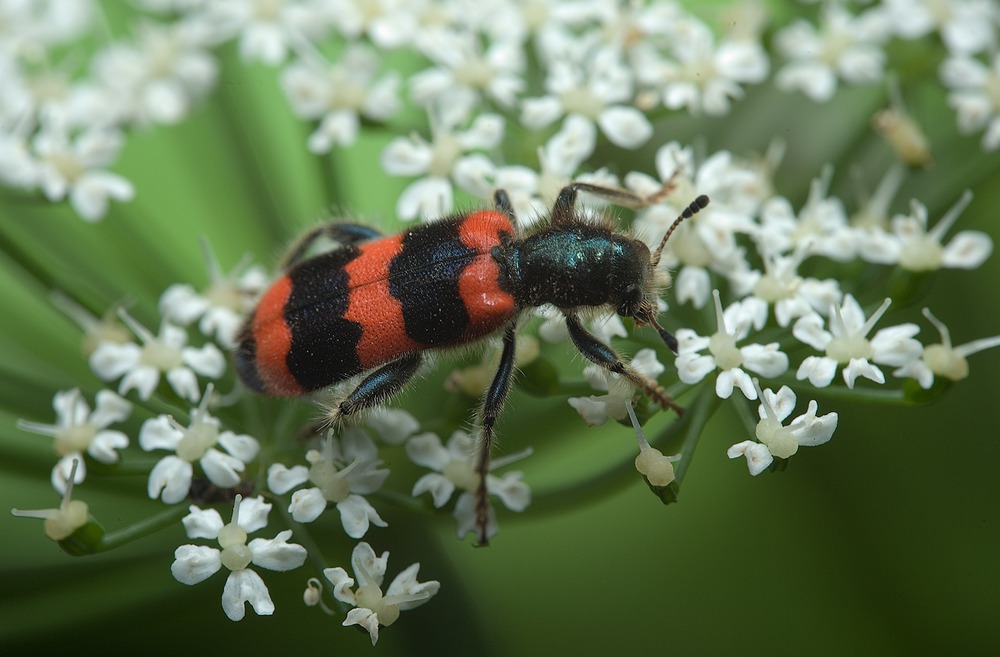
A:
(462, 474)
(330, 481)
(235, 553)
(447, 149)
(475, 73)
(370, 597)
(923, 253)
(197, 440)
(843, 348)
(161, 356)
(771, 288)
(581, 100)
(723, 347)
(226, 294)
(76, 438)
(688, 248)
(946, 362)
(780, 440)
(68, 165)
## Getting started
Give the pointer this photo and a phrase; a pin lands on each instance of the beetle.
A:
(376, 304)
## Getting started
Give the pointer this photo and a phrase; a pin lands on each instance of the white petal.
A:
(405, 583)
(243, 447)
(61, 470)
(307, 504)
(207, 361)
(143, 379)
(342, 584)
(861, 367)
(439, 486)
(366, 618)
(202, 523)
(427, 198)
(373, 565)
(537, 113)
(625, 126)
(356, 514)
(818, 369)
(195, 563)
(967, 250)
(159, 433)
(110, 360)
(692, 367)
(253, 513)
(281, 479)
(221, 468)
(277, 554)
(757, 454)
(244, 586)
(765, 360)
(393, 425)
(110, 408)
(593, 410)
(426, 450)
(104, 444)
(170, 480)
(514, 493)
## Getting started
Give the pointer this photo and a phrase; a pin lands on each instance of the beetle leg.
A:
(346, 234)
(379, 386)
(598, 352)
(492, 405)
(563, 209)
(503, 205)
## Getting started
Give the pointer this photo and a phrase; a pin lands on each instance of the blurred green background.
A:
(884, 541)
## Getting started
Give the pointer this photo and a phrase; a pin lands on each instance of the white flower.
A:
(821, 225)
(341, 472)
(942, 359)
(71, 515)
(393, 425)
(196, 563)
(597, 87)
(338, 95)
(596, 409)
(697, 74)
(160, 77)
(171, 477)
(444, 157)
(455, 468)
(915, 248)
(372, 607)
(733, 325)
(387, 23)
(221, 306)
(974, 96)
(777, 440)
(73, 167)
(845, 46)
(140, 367)
(657, 468)
(966, 26)
(846, 344)
(791, 295)
(77, 430)
(266, 29)
(464, 71)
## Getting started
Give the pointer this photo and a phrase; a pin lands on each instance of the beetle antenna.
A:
(665, 335)
(691, 210)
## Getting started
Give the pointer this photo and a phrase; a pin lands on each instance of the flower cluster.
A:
(778, 293)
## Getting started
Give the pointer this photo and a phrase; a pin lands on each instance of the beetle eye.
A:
(630, 301)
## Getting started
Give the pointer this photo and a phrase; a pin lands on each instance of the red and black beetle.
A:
(376, 303)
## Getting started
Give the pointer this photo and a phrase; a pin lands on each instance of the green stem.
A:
(142, 528)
